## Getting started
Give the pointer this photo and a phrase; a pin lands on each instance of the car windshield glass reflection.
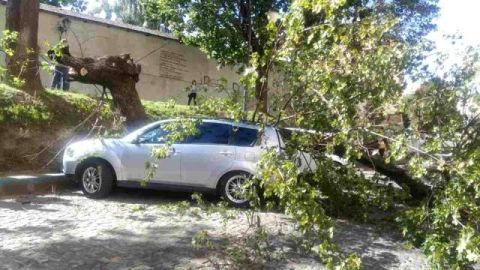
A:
(211, 133)
(156, 135)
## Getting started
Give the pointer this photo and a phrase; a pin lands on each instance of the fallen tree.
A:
(417, 189)
(119, 74)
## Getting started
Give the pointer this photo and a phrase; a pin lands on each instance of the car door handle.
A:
(172, 151)
(226, 153)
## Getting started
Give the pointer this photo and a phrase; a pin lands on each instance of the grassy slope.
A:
(67, 108)
(30, 124)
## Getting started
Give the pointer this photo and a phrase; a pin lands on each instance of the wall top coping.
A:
(109, 23)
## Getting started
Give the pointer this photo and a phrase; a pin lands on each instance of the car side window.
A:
(286, 136)
(211, 133)
(153, 136)
(245, 136)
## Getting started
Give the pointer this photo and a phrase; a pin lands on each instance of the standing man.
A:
(192, 94)
(61, 78)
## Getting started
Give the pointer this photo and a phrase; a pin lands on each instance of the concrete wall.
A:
(168, 67)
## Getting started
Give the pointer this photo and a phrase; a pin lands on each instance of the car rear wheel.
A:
(233, 190)
(96, 179)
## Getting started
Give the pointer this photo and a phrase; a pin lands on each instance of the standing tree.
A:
(129, 11)
(22, 17)
(74, 5)
(240, 32)
(232, 32)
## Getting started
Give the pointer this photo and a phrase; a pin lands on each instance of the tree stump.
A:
(117, 73)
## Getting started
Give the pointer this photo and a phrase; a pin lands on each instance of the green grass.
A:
(19, 107)
(161, 110)
(57, 107)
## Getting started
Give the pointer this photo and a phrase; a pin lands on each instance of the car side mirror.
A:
(137, 140)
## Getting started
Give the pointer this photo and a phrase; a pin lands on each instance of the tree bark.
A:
(117, 73)
(261, 89)
(417, 189)
(254, 46)
(22, 17)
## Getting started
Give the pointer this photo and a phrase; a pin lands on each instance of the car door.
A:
(139, 152)
(207, 154)
(247, 144)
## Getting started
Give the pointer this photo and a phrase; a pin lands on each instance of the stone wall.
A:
(168, 66)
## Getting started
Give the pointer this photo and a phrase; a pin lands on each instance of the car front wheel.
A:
(233, 190)
(96, 179)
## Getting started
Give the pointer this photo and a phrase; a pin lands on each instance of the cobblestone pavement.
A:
(133, 230)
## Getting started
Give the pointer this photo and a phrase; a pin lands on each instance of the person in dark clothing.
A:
(61, 78)
(192, 94)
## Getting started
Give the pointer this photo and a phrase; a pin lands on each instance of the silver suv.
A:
(219, 158)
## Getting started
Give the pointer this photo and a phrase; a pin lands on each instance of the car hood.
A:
(94, 142)
(90, 146)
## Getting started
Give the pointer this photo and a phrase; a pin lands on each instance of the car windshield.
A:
(134, 134)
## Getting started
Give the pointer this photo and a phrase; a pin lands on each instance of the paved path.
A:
(137, 230)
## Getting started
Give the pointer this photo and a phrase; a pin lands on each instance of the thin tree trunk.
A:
(261, 90)
(22, 17)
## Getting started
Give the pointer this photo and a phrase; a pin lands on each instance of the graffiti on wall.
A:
(210, 82)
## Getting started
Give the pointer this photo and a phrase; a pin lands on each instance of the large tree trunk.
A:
(374, 155)
(117, 73)
(417, 189)
(22, 17)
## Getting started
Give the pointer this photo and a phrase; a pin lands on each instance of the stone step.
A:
(13, 185)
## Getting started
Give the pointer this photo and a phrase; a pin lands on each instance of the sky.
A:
(458, 16)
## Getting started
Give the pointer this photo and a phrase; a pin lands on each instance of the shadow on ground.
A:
(151, 196)
(121, 251)
(159, 242)
(33, 202)
(377, 250)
